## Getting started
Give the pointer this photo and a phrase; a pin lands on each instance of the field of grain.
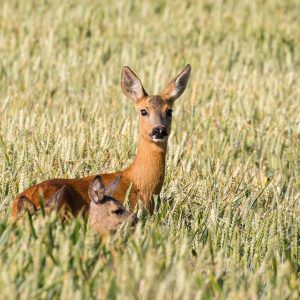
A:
(229, 223)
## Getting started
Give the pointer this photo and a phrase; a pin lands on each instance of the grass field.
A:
(229, 225)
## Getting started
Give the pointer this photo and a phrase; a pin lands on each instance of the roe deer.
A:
(145, 176)
(106, 214)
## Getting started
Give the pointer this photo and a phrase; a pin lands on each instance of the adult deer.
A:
(145, 176)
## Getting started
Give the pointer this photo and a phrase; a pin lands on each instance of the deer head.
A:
(155, 111)
(106, 213)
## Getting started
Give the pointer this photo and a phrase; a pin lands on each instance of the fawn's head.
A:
(106, 213)
(155, 111)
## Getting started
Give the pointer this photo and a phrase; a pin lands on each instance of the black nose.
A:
(159, 132)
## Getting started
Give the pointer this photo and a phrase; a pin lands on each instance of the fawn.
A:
(145, 176)
(106, 214)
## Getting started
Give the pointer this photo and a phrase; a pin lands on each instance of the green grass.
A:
(229, 225)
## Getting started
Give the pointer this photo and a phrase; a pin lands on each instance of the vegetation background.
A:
(229, 225)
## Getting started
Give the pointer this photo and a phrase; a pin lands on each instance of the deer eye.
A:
(118, 211)
(169, 113)
(144, 112)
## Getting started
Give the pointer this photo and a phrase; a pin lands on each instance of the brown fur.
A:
(106, 214)
(146, 174)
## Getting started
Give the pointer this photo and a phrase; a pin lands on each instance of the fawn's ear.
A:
(96, 190)
(56, 200)
(177, 86)
(109, 190)
(131, 85)
(24, 203)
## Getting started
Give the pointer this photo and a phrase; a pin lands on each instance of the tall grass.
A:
(228, 226)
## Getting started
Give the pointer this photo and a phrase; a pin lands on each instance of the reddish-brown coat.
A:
(144, 178)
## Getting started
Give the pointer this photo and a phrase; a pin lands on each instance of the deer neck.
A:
(147, 171)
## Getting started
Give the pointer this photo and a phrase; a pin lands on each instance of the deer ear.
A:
(24, 203)
(112, 186)
(131, 85)
(96, 190)
(177, 86)
(56, 200)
